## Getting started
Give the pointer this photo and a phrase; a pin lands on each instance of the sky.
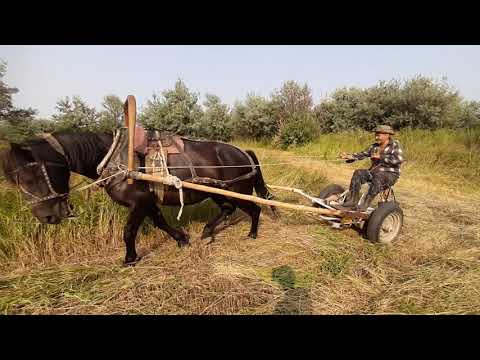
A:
(44, 74)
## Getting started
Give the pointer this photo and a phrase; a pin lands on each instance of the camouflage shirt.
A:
(390, 159)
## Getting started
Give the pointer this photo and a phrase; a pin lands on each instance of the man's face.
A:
(381, 138)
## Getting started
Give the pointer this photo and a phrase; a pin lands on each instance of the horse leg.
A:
(253, 210)
(135, 219)
(161, 223)
(227, 209)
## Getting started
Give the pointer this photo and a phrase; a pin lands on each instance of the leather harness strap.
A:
(55, 144)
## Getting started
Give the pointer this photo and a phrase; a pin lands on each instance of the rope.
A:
(230, 166)
(175, 181)
(99, 181)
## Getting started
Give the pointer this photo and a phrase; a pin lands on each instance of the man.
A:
(386, 156)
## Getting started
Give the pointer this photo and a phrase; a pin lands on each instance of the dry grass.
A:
(296, 265)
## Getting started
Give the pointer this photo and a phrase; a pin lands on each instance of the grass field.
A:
(297, 265)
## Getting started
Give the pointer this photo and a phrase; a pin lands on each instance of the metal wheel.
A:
(330, 193)
(385, 223)
(390, 228)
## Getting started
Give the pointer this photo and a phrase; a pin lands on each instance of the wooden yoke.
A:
(130, 110)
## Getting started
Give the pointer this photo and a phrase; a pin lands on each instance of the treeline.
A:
(287, 117)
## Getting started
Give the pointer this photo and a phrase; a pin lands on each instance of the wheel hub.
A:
(390, 227)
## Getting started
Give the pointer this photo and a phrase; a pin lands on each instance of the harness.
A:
(52, 193)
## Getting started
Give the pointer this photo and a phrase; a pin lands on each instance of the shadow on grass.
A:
(296, 301)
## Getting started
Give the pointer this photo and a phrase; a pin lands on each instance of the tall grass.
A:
(455, 153)
(97, 227)
(27, 242)
(74, 267)
(444, 151)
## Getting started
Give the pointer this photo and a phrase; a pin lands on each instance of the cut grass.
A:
(296, 266)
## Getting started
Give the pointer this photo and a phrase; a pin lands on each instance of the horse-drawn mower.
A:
(379, 224)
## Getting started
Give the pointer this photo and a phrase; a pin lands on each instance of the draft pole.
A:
(130, 111)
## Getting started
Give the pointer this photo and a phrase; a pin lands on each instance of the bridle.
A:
(36, 199)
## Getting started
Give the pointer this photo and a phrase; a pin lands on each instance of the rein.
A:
(55, 144)
(52, 195)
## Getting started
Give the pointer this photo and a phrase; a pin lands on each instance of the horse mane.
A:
(38, 149)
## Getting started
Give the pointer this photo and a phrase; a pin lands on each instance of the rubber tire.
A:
(329, 190)
(374, 223)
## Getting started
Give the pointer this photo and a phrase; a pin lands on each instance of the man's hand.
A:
(346, 156)
(375, 154)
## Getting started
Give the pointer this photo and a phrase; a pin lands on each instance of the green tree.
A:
(15, 124)
(291, 100)
(175, 111)
(75, 115)
(292, 110)
(298, 130)
(216, 122)
(6, 92)
(111, 117)
(415, 103)
(254, 118)
(341, 110)
(470, 115)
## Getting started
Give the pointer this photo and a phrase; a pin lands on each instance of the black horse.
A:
(42, 173)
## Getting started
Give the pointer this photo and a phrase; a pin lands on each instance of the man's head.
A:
(383, 134)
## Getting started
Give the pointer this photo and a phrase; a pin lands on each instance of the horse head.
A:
(43, 179)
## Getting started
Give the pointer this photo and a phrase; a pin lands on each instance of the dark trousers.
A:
(381, 180)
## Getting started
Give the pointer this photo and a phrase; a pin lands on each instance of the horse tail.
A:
(259, 183)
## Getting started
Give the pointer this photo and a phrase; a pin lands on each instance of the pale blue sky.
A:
(43, 74)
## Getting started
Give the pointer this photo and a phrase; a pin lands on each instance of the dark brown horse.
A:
(42, 173)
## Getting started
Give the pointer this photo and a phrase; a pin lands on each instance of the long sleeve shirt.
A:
(390, 158)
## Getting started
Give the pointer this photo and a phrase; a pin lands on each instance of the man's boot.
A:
(368, 200)
(353, 200)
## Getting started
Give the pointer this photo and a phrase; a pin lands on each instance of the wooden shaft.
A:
(130, 109)
(286, 188)
(255, 199)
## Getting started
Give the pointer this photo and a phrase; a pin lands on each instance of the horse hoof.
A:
(183, 243)
(206, 235)
(252, 235)
(132, 262)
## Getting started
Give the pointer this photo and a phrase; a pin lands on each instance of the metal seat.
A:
(385, 195)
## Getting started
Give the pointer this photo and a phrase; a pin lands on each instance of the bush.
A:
(420, 103)
(254, 119)
(298, 130)
(174, 111)
(216, 121)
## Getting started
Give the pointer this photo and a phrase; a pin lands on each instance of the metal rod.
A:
(255, 199)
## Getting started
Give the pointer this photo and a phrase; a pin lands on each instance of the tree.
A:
(254, 118)
(415, 103)
(298, 130)
(175, 111)
(111, 118)
(290, 101)
(15, 124)
(75, 115)
(5, 92)
(216, 122)
(470, 116)
(340, 112)
(292, 110)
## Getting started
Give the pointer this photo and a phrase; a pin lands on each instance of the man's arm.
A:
(363, 154)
